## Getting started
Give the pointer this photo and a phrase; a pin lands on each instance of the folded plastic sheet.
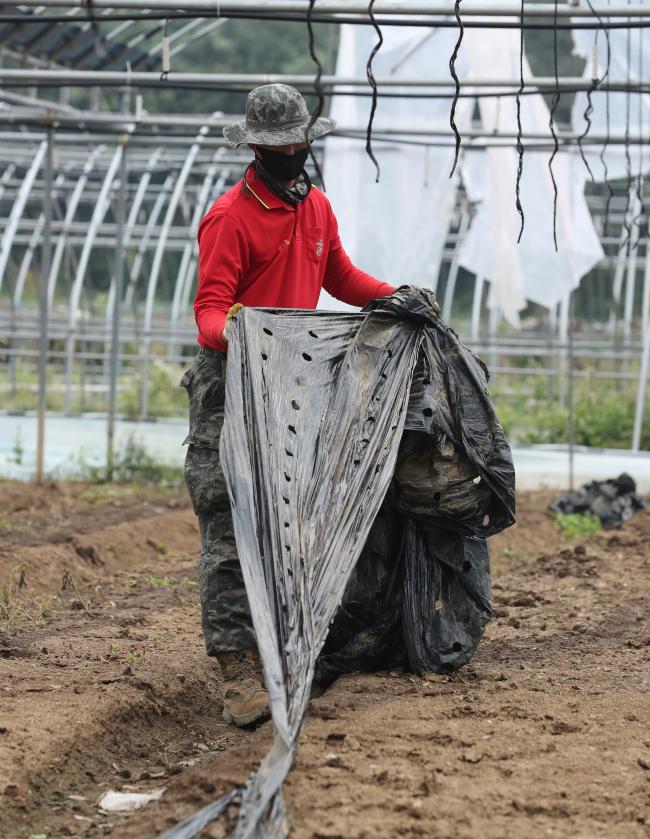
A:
(317, 407)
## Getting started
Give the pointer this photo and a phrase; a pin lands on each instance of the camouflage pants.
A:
(227, 624)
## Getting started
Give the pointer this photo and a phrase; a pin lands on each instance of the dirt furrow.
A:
(545, 733)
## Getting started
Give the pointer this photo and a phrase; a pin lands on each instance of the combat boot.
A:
(245, 699)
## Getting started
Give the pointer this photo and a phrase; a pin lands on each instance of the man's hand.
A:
(232, 311)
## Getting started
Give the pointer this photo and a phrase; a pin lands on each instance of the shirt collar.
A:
(258, 190)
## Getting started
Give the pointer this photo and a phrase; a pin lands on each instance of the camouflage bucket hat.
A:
(276, 115)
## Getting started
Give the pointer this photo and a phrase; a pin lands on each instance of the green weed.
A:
(13, 612)
(577, 525)
(158, 582)
(159, 547)
(9, 608)
(166, 398)
(603, 414)
(135, 656)
(132, 464)
(67, 582)
(18, 449)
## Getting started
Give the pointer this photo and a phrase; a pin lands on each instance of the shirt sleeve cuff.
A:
(385, 290)
(210, 326)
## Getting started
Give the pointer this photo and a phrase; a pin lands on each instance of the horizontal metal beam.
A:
(216, 122)
(25, 77)
(17, 99)
(359, 7)
(177, 240)
(77, 137)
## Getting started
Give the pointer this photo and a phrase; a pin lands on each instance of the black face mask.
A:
(283, 167)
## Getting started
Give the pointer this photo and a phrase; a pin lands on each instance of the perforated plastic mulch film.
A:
(330, 419)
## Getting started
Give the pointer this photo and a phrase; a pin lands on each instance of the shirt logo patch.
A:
(319, 247)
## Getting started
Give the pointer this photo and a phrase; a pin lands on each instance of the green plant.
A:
(69, 581)
(158, 582)
(165, 398)
(577, 525)
(18, 449)
(603, 415)
(159, 547)
(135, 656)
(8, 605)
(132, 463)
(13, 613)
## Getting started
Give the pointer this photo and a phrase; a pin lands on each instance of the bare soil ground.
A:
(104, 685)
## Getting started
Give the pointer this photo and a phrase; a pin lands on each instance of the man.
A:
(271, 240)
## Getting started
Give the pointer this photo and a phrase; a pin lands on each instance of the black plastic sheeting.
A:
(366, 468)
(613, 501)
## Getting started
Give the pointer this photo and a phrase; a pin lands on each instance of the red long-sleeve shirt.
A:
(257, 250)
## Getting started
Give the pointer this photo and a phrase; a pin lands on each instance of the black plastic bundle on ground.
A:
(365, 468)
(613, 501)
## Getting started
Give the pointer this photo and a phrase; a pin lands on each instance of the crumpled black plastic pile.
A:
(366, 469)
(613, 501)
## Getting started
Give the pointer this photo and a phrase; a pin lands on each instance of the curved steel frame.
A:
(157, 264)
(69, 217)
(152, 196)
(166, 182)
(186, 268)
(75, 295)
(17, 209)
(130, 297)
(138, 198)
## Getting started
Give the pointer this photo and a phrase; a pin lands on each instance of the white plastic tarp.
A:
(531, 270)
(630, 61)
(394, 229)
